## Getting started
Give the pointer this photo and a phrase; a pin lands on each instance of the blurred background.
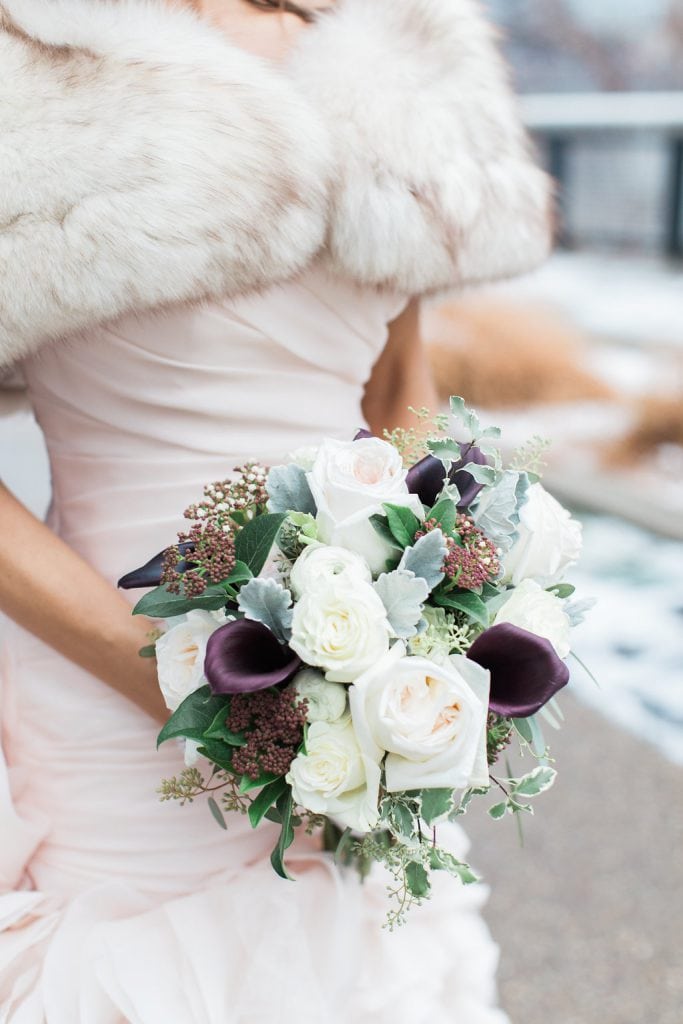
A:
(588, 353)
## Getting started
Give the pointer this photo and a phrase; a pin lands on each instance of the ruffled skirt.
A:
(117, 908)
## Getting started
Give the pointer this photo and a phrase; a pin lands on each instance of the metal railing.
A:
(558, 120)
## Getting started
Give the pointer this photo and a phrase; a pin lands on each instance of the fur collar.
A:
(146, 161)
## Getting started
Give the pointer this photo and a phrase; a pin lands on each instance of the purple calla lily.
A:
(244, 656)
(149, 574)
(426, 477)
(525, 670)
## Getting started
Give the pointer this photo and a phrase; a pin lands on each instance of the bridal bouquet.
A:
(354, 638)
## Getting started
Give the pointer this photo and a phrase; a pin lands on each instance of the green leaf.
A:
(218, 730)
(265, 800)
(381, 526)
(161, 604)
(535, 782)
(498, 810)
(264, 779)
(467, 602)
(218, 753)
(524, 729)
(240, 574)
(440, 859)
(254, 541)
(562, 590)
(285, 805)
(217, 813)
(444, 512)
(149, 651)
(399, 818)
(435, 804)
(403, 523)
(194, 716)
(417, 879)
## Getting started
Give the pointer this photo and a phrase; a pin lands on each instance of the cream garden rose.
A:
(341, 628)
(326, 701)
(350, 481)
(180, 656)
(318, 562)
(429, 718)
(335, 777)
(548, 541)
(532, 608)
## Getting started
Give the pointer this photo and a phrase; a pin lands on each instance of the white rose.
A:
(350, 481)
(326, 701)
(303, 457)
(180, 656)
(340, 628)
(319, 561)
(531, 607)
(334, 777)
(548, 541)
(431, 720)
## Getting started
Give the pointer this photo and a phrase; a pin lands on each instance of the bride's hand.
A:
(52, 592)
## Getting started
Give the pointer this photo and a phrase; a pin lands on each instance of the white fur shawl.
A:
(146, 161)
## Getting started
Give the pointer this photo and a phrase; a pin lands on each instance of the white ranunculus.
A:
(548, 541)
(531, 607)
(180, 656)
(318, 562)
(335, 777)
(326, 701)
(350, 481)
(430, 718)
(341, 628)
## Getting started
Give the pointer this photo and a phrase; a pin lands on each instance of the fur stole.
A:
(147, 161)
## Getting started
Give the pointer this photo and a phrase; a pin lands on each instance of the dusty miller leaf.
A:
(268, 602)
(403, 595)
(497, 511)
(426, 557)
(288, 490)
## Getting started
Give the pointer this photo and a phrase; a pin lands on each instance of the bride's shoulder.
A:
(148, 159)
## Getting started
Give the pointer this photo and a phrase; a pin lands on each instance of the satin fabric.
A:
(116, 907)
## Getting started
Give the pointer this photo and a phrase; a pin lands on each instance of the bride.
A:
(216, 221)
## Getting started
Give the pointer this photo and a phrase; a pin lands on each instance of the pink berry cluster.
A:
(472, 558)
(272, 723)
(212, 534)
(212, 559)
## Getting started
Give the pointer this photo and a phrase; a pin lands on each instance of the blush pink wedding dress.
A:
(115, 907)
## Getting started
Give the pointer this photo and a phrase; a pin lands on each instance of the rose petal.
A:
(525, 670)
(362, 434)
(243, 656)
(149, 574)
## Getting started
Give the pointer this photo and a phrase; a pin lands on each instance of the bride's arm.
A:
(401, 376)
(49, 590)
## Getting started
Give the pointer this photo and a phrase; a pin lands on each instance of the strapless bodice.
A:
(141, 413)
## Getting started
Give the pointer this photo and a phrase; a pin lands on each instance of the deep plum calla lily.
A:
(149, 574)
(525, 670)
(426, 477)
(244, 656)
